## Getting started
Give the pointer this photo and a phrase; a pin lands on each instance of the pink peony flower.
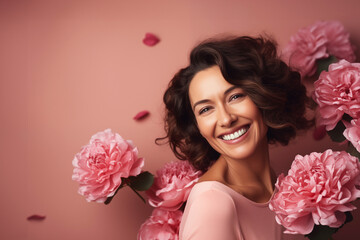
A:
(305, 48)
(162, 224)
(337, 92)
(352, 133)
(318, 190)
(338, 43)
(172, 185)
(318, 41)
(101, 164)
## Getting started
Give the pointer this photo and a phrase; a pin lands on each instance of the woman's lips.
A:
(236, 135)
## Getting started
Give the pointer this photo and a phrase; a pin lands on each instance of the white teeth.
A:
(235, 135)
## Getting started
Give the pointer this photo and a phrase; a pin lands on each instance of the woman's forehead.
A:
(208, 82)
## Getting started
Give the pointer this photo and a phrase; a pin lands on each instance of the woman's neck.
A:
(251, 176)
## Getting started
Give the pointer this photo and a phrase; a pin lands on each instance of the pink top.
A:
(214, 211)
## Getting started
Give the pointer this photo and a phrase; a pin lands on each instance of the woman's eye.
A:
(236, 96)
(204, 110)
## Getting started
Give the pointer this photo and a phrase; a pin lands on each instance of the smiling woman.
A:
(226, 117)
(222, 111)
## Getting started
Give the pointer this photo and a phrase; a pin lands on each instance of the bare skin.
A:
(233, 125)
(253, 179)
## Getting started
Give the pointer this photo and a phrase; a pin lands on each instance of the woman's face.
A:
(227, 118)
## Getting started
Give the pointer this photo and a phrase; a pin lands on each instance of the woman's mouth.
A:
(236, 134)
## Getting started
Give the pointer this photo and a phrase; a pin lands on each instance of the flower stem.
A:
(137, 193)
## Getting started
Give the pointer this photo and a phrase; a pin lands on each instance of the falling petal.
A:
(319, 132)
(141, 115)
(36, 217)
(150, 39)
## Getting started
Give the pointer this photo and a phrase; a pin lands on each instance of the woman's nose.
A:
(225, 117)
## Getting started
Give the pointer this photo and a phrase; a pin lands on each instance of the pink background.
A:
(71, 68)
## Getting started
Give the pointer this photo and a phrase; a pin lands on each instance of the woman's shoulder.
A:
(209, 186)
(211, 192)
(214, 183)
(210, 213)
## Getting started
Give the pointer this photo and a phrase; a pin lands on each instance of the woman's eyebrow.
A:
(230, 89)
(207, 100)
(200, 102)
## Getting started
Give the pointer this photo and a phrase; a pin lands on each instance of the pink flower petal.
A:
(150, 39)
(36, 217)
(100, 165)
(318, 41)
(141, 115)
(162, 224)
(352, 133)
(319, 132)
(319, 189)
(172, 185)
(337, 92)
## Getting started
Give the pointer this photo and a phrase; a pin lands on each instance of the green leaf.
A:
(141, 182)
(337, 133)
(137, 194)
(324, 63)
(347, 117)
(349, 218)
(109, 199)
(321, 232)
(352, 150)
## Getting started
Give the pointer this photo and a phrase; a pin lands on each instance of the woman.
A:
(222, 111)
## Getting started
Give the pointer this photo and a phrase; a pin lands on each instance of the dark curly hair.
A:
(253, 65)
